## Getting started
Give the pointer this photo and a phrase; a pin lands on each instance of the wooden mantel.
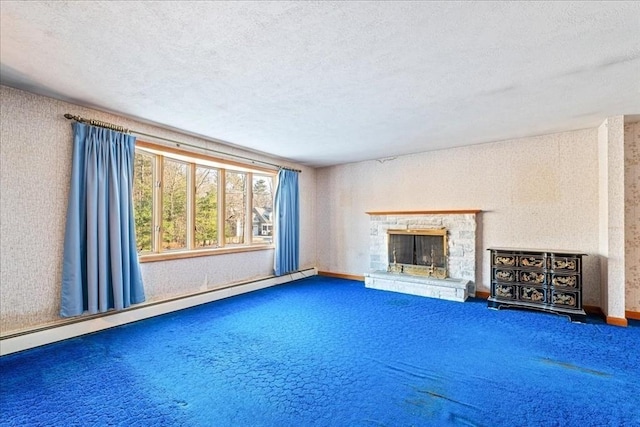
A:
(441, 212)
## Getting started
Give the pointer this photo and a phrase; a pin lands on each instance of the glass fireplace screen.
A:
(418, 252)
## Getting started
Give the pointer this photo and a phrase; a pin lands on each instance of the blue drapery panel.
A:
(100, 268)
(287, 216)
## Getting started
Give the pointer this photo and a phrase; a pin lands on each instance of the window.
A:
(235, 213)
(206, 207)
(187, 204)
(174, 204)
(262, 208)
(143, 200)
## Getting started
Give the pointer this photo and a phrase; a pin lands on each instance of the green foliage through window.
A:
(143, 201)
(206, 207)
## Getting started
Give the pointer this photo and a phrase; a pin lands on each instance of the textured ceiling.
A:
(324, 83)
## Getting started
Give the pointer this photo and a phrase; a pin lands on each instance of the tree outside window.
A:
(174, 205)
(206, 207)
(143, 200)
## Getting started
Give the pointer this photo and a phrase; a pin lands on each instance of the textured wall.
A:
(35, 156)
(536, 192)
(632, 215)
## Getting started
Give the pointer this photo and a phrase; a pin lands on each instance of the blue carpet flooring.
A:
(329, 352)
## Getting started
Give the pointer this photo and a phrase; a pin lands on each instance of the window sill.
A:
(165, 256)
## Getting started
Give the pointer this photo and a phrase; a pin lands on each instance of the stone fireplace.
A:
(427, 253)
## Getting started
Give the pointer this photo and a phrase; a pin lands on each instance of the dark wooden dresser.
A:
(546, 280)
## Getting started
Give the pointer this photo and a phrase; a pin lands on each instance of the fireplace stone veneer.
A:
(461, 242)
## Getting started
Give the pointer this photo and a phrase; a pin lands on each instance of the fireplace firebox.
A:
(418, 252)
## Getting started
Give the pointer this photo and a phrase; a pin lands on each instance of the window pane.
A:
(174, 205)
(143, 200)
(206, 207)
(235, 207)
(262, 210)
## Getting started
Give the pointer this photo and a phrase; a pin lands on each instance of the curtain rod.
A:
(117, 128)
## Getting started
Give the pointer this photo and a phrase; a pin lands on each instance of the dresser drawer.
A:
(505, 275)
(571, 281)
(568, 299)
(531, 260)
(532, 277)
(564, 263)
(504, 260)
(532, 294)
(504, 291)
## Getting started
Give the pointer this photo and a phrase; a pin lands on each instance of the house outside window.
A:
(262, 208)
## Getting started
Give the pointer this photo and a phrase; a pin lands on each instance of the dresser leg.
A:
(493, 305)
(578, 318)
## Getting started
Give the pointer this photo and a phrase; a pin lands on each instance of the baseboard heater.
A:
(76, 327)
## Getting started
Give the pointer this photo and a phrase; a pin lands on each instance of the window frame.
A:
(192, 160)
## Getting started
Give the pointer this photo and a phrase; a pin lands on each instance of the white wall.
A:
(35, 153)
(603, 210)
(611, 223)
(537, 192)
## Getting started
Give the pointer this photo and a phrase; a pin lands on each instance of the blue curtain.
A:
(287, 216)
(100, 268)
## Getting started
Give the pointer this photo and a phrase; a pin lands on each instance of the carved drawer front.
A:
(504, 291)
(564, 263)
(565, 280)
(531, 261)
(506, 260)
(567, 299)
(533, 277)
(532, 294)
(504, 275)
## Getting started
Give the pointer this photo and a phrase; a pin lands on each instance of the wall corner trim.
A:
(357, 277)
(635, 315)
(482, 294)
(617, 321)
